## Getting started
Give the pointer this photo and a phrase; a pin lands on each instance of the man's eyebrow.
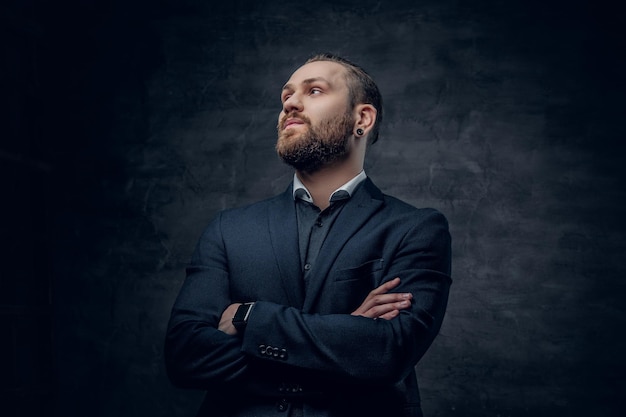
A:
(307, 81)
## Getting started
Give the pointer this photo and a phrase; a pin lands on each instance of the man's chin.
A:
(311, 163)
(290, 143)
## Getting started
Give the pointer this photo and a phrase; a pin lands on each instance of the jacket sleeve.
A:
(197, 354)
(358, 348)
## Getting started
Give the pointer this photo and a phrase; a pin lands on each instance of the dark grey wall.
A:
(129, 124)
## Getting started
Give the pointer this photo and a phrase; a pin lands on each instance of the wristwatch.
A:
(241, 316)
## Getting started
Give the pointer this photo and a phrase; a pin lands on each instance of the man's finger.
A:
(388, 316)
(380, 310)
(380, 296)
(386, 287)
(382, 299)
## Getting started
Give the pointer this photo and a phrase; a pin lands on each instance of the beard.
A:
(317, 146)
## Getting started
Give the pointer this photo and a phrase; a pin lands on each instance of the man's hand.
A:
(226, 321)
(381, 304)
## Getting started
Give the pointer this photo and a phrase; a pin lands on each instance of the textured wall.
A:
(132, 123)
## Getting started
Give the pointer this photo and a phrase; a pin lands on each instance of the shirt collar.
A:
(345, 191)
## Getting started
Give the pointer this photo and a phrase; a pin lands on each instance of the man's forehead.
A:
(329, 71)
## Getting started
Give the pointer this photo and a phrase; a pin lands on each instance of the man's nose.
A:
(292, 103)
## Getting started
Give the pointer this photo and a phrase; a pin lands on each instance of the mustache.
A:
(292, 115)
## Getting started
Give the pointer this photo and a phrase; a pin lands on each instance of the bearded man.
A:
(321, 300)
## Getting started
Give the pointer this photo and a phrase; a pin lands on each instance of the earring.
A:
(359, 132)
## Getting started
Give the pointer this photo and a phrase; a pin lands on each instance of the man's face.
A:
(316, 121)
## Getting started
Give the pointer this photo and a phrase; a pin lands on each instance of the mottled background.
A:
(126, 125)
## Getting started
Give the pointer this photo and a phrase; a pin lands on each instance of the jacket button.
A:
(282, 405)
(283, 354)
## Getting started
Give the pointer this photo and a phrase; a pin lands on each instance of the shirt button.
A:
(307, 267)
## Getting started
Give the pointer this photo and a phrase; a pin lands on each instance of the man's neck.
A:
(323, 182)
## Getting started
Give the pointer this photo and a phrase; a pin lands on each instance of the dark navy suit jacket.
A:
(301, 345)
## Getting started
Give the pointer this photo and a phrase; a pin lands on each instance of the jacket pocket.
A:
(365, 271)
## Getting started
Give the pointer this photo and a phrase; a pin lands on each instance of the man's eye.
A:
(315, 91)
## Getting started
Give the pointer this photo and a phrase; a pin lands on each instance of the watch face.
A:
(241, 316)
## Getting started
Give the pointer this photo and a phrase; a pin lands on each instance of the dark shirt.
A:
(315, 224)
(313, 228)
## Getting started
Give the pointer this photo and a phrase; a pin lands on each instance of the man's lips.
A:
(292, 122)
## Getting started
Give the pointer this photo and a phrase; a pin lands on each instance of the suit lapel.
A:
(283, 228)
(366, 201)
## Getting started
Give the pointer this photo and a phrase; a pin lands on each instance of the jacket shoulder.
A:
(400, 207)
(250, 216)
(252, 208)
(395, 206)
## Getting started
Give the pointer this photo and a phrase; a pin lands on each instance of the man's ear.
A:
(365, 117)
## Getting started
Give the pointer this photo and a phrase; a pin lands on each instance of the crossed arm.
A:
(200, 349)
(379, 304)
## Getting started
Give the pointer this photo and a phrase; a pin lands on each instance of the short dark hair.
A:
(361, 87)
